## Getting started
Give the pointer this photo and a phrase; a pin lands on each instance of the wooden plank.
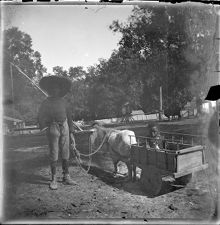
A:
(171, 146)
(184, 146)
(188, 161)
(138, 155)
(143, 157)
(166, 161)
(161, 160)
(171, 163)
(152, 157)
(135, 154)
(186, 158)
(191, 149)
(189, 171)
(147, 157)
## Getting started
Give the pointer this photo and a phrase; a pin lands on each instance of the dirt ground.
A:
(97, 195)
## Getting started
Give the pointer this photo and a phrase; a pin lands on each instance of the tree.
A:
(156, 44)
(40, 69)
(59, 71)
(143, 47)
(76, 73)
(159, 46)
(78, 99)
(200, 26)
(18, 89)
(104, 101)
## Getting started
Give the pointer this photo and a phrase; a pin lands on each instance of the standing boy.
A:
(56, 117)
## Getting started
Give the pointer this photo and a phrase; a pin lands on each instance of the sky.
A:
(68, 35)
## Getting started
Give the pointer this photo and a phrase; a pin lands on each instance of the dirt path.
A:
(97, 194)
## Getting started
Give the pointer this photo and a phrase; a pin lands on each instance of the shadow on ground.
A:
(34, 170)
(128, 186)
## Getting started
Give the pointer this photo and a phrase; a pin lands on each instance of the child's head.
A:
(154, 130)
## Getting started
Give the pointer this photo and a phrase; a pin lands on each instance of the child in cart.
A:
(155, 139)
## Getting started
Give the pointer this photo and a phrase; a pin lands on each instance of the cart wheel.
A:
(151, 180)
(184, 180)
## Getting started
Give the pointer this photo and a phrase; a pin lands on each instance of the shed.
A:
(9, 124)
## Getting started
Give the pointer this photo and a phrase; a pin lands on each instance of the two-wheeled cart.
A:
(178, 159)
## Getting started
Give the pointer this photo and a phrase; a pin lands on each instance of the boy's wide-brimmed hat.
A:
(48, 83)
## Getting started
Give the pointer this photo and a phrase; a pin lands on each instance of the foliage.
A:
(76, 73)
(17, 49)
(159, 46)
(59, 71)
(159, 41)
(200, 29)
(77, 99)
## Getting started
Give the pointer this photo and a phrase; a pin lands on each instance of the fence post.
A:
(178, 146)
(161, 105)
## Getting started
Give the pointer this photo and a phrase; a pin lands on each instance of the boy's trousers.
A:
(58, 137)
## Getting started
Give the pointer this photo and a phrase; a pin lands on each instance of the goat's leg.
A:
(134, 173)
(115, 162)
(129, 166)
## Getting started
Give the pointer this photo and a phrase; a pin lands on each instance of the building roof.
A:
(137, 112)
(11, 119)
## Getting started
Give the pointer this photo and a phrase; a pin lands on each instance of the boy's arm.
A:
(42, 116)
(69, 120)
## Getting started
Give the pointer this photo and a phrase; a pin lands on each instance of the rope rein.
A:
(78, 154)
(100, 146)
(78, 158)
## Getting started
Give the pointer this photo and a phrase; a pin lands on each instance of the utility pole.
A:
(161, 104)
(33, 83)
(12, 90)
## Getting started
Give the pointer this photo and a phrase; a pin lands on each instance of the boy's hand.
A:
(43, 129)
(73, 132)
(72, 139)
